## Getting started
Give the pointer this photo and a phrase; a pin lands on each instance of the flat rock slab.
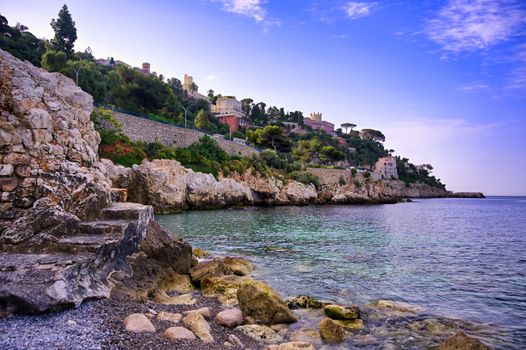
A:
(35, 281)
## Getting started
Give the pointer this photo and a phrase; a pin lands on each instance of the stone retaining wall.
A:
(140, 129)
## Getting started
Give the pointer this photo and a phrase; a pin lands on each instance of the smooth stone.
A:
(197, 324)
(260, 333)
(351, 324)
(229, 318)
(174, 333)
(168, 316)
(204, 311)
(138, 323)
(331, 332)
(337, 312)
(304, 302)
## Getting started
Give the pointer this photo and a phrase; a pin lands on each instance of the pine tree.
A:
(65, 32)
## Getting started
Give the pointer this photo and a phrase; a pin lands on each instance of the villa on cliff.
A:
(315, 121)
(228, 111)
(386, 167)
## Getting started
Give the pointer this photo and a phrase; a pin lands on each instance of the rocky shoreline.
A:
(169, 187)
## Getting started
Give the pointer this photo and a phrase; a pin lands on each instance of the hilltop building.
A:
(386, 167)
(228, 111)
(191, 89)
(315, 121)
(107, 62)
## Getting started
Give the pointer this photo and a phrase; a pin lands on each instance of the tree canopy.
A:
(65, 32)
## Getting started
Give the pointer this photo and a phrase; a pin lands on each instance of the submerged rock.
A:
(259, 301)
(461, 341)
(291, 346)
(260, 333)
(304, 302)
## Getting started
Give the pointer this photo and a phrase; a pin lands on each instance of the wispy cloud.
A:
(419, 132)
(517, 77)
(470, 25)
(359, 9)
(249, 8)
(474, 87)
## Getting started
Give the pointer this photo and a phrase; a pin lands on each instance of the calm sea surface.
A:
(461, 258)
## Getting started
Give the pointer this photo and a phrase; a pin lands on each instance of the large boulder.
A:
(48, 145)
(170, 187)
(338, 312)
(331, 331)
(259, 301)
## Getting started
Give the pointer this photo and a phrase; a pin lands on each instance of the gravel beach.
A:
(99, 324)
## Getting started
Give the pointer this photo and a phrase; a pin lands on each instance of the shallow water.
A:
(458, 258)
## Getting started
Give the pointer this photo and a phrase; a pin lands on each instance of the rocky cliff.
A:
(61, 237)
(169, 187)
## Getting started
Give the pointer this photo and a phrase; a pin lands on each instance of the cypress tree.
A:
(65, 32)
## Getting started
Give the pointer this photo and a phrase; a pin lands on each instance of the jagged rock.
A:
(224, 288)
(212, 268)
(47, 152)
(260, 333)
(170, 187)
(258, 300)
(338, 312)
(304, 302)
(331, 331)
(168, 316)
(138, 323)
(200, 253)
(180, 284)
(229, 318)
(296, 345)
(197, 324)
(184, 299)
(460, 341)
(239, 266)
(299, 194)
(174, 333)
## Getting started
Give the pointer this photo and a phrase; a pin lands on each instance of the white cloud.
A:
(359, 9)
(470, 25)
(474, 87)
(249, 8)
(517, 77)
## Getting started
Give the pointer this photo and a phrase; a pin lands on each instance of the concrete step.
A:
(101, 227)
(128, 211)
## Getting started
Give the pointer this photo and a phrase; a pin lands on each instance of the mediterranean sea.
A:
(455, 258)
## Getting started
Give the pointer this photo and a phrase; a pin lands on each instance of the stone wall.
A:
(140, 129)
(331, 176)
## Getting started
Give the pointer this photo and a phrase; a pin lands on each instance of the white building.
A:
(227, 105)
(386, 168)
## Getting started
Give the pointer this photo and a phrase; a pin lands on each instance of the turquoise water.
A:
(460, 258)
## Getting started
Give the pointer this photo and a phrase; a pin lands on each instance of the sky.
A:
(445, 81)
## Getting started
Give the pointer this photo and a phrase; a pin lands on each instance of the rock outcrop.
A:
(62, 240)
(169, 187)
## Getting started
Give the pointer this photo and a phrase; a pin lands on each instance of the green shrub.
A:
(357, 183)
(342, 181)
(367, 174)
(305, 178)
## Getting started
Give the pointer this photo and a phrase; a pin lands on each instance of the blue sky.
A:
(444, 80)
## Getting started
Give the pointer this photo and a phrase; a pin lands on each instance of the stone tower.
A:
(188, 82)
(146, 68)
(315, 117)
